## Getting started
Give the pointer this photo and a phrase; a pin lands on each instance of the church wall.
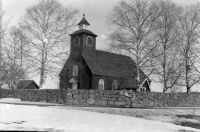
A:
(64, 82)
(85, 77)
(107, 82)
(74, 59)
(89, 50)
(76, 48)
(95, 82)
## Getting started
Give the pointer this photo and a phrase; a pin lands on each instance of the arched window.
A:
(101, 84)
(114, 85)
(89, 41)
(75, 70)
(76, 40)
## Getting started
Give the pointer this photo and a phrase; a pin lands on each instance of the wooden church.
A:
(88, 68)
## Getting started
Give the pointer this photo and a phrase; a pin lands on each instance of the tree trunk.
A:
(187, 67)
(138, 71)
(164, 89)
(186, 79)
(188, 89)
(41, 75)
(42, 69)
(21, 53)
(164, 69)
(138, 77)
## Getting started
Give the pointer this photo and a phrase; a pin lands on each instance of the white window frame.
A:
(87, 40)
(78, 41)
(143, 89)
(74, 68)
(101, 84)
(114, 85)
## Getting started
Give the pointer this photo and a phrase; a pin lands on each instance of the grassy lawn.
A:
(189, 123)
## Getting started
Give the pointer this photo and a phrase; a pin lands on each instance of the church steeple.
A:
(83, 23)
(83, 41)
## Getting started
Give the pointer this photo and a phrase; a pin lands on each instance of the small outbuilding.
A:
(27, 84)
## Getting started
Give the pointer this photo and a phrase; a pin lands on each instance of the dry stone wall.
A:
(105, 98)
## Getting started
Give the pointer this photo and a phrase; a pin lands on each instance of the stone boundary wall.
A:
(105, 98)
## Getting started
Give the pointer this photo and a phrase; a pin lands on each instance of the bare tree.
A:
(133, 24)
(48, 25)
(167, 65)
(12, 68)
(189, 24)
(3, 33)
(20, 41)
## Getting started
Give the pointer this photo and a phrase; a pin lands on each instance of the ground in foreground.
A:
(69, 119)
(180, 116)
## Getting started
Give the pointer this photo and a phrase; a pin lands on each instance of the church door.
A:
(74, 82)
(74, 85)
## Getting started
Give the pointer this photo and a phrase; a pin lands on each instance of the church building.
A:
(88, 68)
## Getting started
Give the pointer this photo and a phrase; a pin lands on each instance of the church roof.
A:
(83, 21)
(113, 65)
(65, 68)
(107, 64)
(81, 31)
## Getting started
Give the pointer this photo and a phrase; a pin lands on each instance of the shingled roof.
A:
(81, 31)
(83, 21)
(107, 64)
(66, 66)
(24, 83)
(113, 65)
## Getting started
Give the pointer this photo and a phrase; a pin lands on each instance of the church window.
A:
(143, 89)
(76, 40)
(101, 84)
(114, 85)
(89, 41)
(75, 70)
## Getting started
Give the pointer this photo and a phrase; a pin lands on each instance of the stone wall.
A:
(105, 98)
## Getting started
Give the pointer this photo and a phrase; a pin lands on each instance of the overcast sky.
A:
(96, 12)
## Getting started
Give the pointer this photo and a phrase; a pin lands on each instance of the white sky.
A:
(96, 12)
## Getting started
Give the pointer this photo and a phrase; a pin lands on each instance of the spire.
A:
(83, 23)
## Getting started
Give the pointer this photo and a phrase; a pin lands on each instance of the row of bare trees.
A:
(39, 44)
(161, 37)
(12, 55)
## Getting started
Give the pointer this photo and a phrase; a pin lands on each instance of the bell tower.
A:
(83, 41)
(83, 23)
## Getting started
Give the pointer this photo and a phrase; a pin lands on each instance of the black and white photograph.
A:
(100, 65)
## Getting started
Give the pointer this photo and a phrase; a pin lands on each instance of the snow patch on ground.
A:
(25, 117)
